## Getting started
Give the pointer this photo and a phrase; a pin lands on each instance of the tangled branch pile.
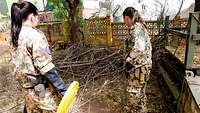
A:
(95, 61)
(99, 71)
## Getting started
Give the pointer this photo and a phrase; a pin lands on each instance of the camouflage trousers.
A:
(137, 80)
(37, 104)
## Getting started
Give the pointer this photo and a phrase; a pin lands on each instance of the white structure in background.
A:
(184, 13)
(6, 4)
(118, 6)
(105, 8)
(149, 9)
(90, 8)
(102, 8)
(114, 8)
(172, 6)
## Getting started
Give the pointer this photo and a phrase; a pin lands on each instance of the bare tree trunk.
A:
(74, 25)
(197, 5)
(73, 4)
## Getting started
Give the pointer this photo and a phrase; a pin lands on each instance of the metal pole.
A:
(165, 29)
(190, 43)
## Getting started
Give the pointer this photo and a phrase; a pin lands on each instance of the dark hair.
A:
(129, 11)
(19, 13)
(133, 13)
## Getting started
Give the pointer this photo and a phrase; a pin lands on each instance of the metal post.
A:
(166, 22)
(190, 43)
(165, 28)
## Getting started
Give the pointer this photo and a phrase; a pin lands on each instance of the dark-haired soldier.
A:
(138, 60)
(33, 61)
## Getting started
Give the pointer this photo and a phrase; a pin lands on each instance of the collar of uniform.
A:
(24, 25)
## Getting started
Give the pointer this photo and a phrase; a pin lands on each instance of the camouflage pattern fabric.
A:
(138, 46)
(32, 56)
(36, 104)
(139, 55)
(136, 88)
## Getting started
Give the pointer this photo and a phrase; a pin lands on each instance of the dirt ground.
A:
(9, 96)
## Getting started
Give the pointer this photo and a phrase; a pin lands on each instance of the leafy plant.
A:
(63, 11)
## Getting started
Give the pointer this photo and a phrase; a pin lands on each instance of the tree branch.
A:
(179, 9)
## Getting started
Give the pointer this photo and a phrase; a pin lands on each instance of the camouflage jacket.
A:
(32, 56)
(139, 46)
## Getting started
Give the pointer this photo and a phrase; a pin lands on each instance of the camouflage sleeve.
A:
(148, 49)
(148, 45)
(41, 54)
(143, 43)
(139, 39)
(129, 41)
(141, 51)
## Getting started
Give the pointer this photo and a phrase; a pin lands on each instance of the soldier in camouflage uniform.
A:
(138, 59)
(33, 61)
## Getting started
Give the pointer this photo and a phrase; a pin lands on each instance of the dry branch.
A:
(98, 61)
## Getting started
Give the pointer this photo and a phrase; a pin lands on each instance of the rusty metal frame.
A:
(191, 37)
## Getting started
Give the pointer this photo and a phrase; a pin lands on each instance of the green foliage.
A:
(80, 6)
(61, 9)
(99, 26)
(81, 21)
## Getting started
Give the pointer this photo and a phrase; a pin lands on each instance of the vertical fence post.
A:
(190, 43)
(109, 33)
(165, 31)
